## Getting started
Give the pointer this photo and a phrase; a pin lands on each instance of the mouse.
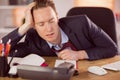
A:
(97, 70)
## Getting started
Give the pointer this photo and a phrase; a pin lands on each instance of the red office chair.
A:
(103, 17)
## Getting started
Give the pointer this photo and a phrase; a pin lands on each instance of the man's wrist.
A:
(23, 29)
(82, 54)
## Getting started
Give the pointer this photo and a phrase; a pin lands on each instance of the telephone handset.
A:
(69, 66)
(66, 65)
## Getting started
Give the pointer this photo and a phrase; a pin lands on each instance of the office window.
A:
(102, 3)
(18, 16)
(19, 2)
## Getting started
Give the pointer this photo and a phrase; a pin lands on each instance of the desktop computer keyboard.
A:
(115, 66)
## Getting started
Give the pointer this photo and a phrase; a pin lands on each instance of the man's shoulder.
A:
(75, 17)
(71, 21)
(32, 32)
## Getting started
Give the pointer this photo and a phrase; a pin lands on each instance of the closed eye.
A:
(52, 20)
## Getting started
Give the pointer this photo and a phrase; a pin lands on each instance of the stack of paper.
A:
(31, 59)
(115, 66)
(58, 62)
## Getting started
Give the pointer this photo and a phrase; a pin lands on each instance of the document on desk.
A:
(58, 62)
(115, 66)
(15, 59)
(32, 59)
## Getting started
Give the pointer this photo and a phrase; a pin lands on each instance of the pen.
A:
(3, 50)
(7, 49)
(1, 47)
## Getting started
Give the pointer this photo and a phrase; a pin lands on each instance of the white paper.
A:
(15, 60)
(13, 70)
(58, 62)
(115, 66)
(32, 59)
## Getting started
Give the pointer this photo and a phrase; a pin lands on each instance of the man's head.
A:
(46, 21)
(44, 3)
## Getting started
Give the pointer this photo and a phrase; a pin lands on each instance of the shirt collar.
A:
(64, 38)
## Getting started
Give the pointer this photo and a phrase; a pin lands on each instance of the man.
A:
(46, 35)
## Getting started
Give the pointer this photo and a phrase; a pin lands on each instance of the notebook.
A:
(32, 60)
(58, 62)
(115, 66)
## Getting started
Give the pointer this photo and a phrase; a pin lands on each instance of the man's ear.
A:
(57, 16)
(34, 27)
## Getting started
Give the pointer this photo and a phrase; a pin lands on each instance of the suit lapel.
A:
(74, 40)
(47, 50)
(72, 37)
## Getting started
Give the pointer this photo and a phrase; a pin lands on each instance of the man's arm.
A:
(17, 34)
(28, 20)
(100, 44)
(104, 46)
(15, 45)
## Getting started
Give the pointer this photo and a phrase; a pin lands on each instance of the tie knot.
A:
(65, 45)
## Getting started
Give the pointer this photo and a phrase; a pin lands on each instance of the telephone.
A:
(68, 66)
(64, 72)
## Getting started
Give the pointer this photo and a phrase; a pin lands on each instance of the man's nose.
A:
(48, 27)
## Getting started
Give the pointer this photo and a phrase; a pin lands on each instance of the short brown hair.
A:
(44, 3)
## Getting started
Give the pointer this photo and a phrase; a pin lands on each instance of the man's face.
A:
(46, 24)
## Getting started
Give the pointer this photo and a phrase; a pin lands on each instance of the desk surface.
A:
(82, 68)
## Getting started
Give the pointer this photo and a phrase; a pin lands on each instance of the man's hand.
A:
(28, 20)
(69, 54)
(28, 15)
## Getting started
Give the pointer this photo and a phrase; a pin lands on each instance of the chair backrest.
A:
(103, 17)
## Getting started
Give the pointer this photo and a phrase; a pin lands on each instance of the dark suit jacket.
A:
(82, 32)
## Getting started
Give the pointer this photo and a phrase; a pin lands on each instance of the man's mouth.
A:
(49, 35)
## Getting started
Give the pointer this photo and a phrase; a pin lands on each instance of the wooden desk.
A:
(83, 73)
